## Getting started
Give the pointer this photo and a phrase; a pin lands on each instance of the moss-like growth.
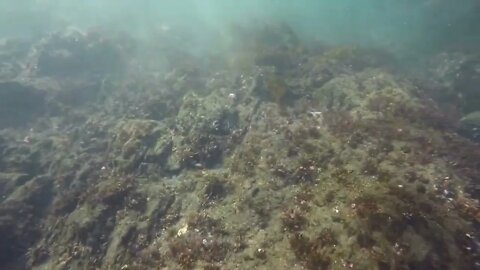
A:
(188, 162)
(202, 242)
(313, 254)
(293, 220)
(277, 90)
(215, 191)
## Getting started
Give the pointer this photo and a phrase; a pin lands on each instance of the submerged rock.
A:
(470, 126)
(20, 103)
(334, 161)
(467, 84)
(12, 53)
(76, 54)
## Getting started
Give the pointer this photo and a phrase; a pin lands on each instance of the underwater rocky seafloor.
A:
(270, 156)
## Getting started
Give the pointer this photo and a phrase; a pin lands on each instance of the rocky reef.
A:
(273, 154)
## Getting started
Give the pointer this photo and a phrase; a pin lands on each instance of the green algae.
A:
(354, 169)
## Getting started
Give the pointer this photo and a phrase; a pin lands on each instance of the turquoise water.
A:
(400, 26)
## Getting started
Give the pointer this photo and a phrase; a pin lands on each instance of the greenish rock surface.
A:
(470, 125)
(269, 157)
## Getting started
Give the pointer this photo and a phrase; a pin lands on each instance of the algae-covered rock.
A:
(204, 130)
(75, 53)
(20, 103)
(11, 51)
(339, 94)
(209, 114)
(456, 76)
(128, 131)
(471, 119)
(9, 181)
(470, 126)
(299, 159)
(370, 93)
(19, 213)
(467, 85)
